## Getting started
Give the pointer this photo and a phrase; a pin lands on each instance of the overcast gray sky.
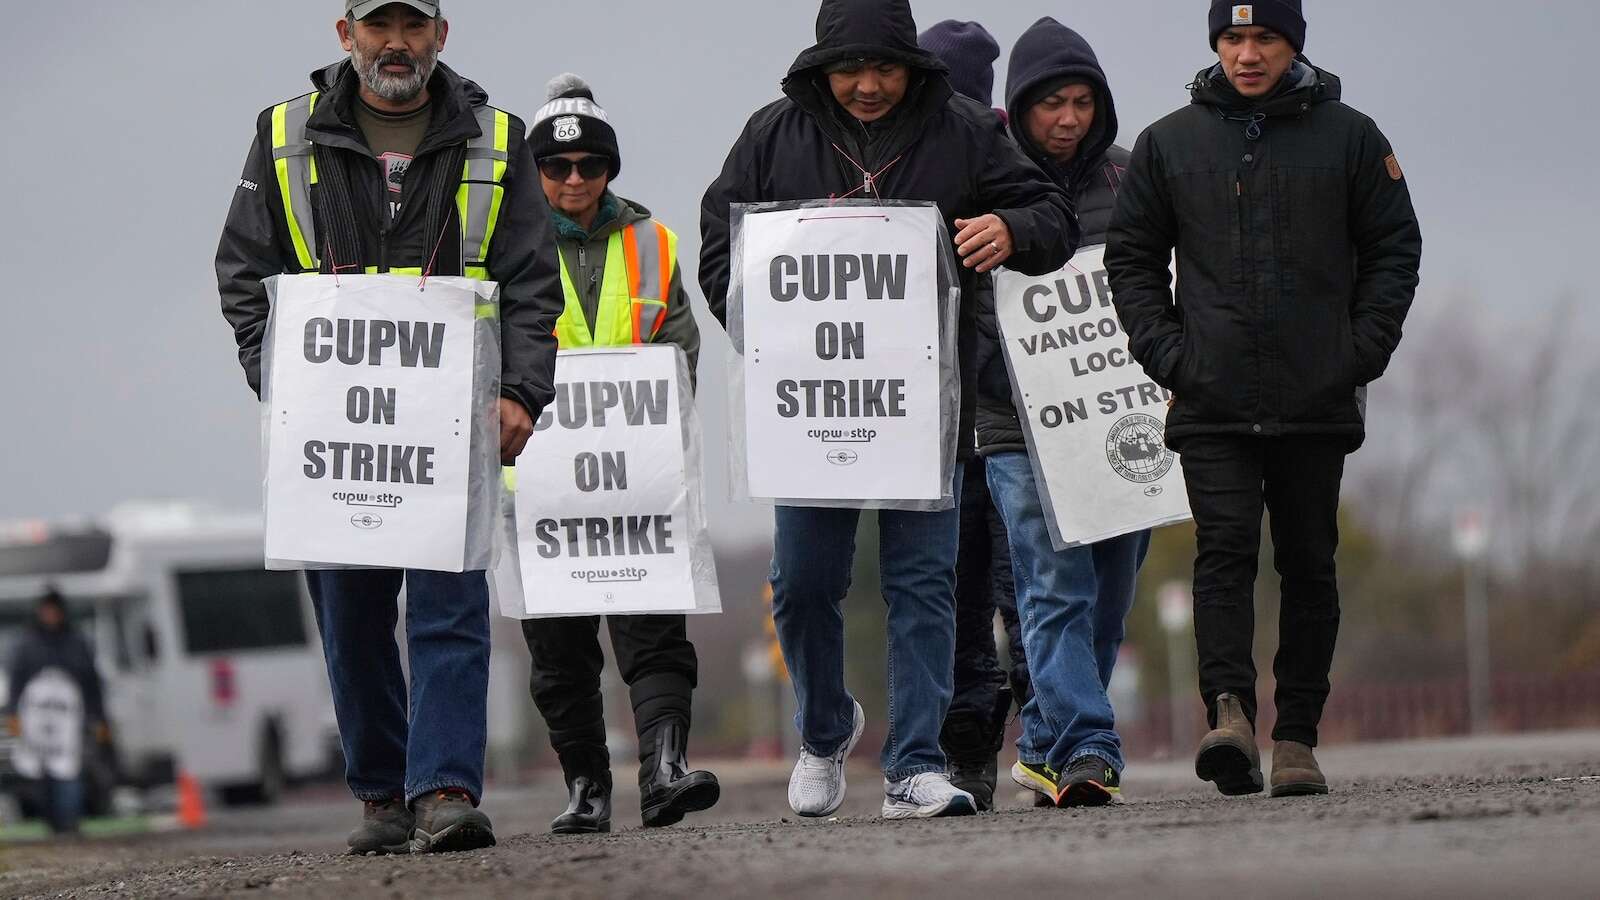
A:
(125, 127)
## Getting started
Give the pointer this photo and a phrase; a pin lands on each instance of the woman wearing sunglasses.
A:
(619, 271)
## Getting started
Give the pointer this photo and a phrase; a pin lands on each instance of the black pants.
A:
(1230, 479)
(655, 659)
(984, 585)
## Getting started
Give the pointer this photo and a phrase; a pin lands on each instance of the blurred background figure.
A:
(57, 705)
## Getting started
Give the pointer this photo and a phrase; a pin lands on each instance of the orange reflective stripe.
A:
(630, 251)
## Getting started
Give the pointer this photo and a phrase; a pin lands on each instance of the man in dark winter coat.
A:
(975, 726)
(867, 113)
(1298, 253)
(56, 700)
(1073, 602)
(390, 135)
(609, 304)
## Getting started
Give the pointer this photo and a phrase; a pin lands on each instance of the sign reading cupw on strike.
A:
(372, 394)
(1094, 421)
(842, 364)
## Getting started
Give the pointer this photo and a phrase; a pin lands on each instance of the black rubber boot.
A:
(668, 789)
(971, 744)
(587, 770)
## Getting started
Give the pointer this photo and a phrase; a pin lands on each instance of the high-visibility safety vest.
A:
(640, 260)
(477, 200)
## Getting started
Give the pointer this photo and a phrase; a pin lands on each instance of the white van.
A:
(211, 664)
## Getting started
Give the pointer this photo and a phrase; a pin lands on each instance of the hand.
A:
(984, 243)
(516, 426)
(102, 733)
(13, 726)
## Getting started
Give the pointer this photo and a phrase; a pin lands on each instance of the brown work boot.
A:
(1295, 772)
(385, 828)
(1228, 756)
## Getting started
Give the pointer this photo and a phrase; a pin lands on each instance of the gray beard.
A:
(395, 88)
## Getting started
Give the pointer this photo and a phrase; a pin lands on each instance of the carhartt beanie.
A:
(1283, 16)
(970, 51)
(572, 122)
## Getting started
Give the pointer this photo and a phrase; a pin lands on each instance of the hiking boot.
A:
(929, 795)
(1295, 772)
(667, 788)
(1228, 756)
(1088, 781)
(971, 743)
(1039, 778)
(588, 807)
(816, 787)
(385, 828)
(448, 822)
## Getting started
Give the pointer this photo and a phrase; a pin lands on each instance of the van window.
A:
(227, 610)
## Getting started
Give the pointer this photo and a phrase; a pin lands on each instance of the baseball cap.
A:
(363, 8)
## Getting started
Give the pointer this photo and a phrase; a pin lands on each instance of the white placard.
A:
(370, 421)
(609, 511)
(1094, 421)
(842, 354)
(50, 711)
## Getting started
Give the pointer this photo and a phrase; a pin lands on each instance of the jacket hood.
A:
(1046, 52)
(865, 29)
(1303, 86)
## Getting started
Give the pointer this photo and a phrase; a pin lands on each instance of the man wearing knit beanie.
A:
(1298, 254)
(974, 728)
(609, 302)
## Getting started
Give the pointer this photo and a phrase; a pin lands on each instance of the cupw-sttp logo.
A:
(1244, 15)
(1137, 451)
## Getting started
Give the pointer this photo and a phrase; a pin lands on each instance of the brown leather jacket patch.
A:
(1393, 164)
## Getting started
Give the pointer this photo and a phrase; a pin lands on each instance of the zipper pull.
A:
(1238, 189)
(866, 182)
(582, 257)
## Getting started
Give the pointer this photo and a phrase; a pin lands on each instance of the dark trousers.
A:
(983, 584)
(1230, 480)
(654, 657)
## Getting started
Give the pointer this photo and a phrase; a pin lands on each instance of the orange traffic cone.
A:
(191, 802)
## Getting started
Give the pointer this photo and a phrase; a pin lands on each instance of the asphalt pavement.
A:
(1485, 817)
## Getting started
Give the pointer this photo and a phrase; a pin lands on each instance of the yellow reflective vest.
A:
(640, 261)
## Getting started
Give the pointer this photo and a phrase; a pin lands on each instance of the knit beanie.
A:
(1282, 16)
(970, 51)
(572, 122)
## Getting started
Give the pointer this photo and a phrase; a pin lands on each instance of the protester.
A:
(1298, 254)
(867, 113)
(613, 255)
(974, 728)
(56, 701)
(365, 174)
(1073, 603)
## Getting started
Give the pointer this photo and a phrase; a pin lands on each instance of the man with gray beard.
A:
(397, 164)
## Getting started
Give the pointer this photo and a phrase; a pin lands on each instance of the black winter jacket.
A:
(66, 650)
(944, 148)
(522, 259)
(1298, 254)
(1046, 52)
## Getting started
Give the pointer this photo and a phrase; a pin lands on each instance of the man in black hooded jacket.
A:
(1298, 253)
(868, 113)
(1073, 603)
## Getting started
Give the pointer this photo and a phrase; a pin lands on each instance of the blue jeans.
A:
(1073, 604)
(442, 744)
(63, 803)
(813, 554)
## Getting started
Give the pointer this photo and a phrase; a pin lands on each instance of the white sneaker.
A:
(816, 788)
(926, 796)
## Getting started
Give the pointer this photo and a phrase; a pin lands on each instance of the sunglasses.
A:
(558, 168)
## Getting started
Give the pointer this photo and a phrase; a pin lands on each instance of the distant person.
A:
(975, 726)
(868, 114)
(1073, 603)
(612, 303)
(388, 134)
(1298, 253)
(56, 701)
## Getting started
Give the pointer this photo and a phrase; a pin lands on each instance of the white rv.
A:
(212, 665)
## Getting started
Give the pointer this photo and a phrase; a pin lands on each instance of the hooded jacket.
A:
(585, 256)
(64, 649)
(255, 244)
(1298, 254)
(1048, 52)
(944, 148)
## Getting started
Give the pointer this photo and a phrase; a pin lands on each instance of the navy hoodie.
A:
(1047, 53)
